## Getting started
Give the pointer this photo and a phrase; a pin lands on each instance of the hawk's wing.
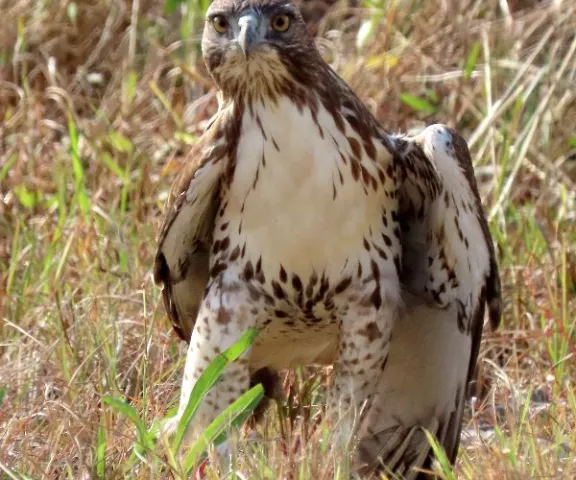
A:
(444, 229)
(184, 241)
(449, 274)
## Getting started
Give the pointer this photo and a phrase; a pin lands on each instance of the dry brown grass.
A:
(79, 314)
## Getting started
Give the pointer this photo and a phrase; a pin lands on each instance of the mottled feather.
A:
(182, 266)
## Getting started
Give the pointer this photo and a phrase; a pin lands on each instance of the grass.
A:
(99, 102)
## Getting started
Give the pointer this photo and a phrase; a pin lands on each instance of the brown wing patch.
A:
(184, 282)
(200, 155)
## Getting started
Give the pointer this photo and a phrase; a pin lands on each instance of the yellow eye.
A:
(220, 24)
(281, 22)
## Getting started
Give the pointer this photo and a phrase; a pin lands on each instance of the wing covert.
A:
(182, 258)
(447, 247)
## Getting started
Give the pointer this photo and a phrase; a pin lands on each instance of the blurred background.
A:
(100, 101)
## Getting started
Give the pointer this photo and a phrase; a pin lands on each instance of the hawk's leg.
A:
(222, 319)
(363, 350)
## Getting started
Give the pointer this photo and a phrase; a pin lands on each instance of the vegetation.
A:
(99, 104)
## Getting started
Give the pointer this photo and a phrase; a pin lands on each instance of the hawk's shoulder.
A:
(209, 149)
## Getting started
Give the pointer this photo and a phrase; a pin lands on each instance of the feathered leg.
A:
(223, 317)
(363, 350)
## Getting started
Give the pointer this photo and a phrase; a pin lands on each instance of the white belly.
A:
(296, 198)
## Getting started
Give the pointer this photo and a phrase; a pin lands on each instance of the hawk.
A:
(299, 215)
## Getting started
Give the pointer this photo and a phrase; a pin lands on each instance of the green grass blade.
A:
(120, 142)
(7, 166)
(171, 5)
(207, 380)
(13, 475)
(145, 439)
(441, 457)
(114, 167)
(101, 451)
(418, 103)
(235, 414)
(472, 60)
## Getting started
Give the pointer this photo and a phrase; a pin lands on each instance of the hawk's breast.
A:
(303, 194)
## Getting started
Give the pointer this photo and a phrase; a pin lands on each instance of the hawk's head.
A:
(259, 48)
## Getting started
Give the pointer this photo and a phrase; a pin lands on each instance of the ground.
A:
(99, 103)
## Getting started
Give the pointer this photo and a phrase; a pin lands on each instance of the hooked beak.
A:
(248, 36)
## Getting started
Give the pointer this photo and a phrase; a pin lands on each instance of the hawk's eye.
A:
(220, 24)
(281, 22)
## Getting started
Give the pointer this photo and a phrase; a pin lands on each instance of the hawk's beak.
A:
(248, 36)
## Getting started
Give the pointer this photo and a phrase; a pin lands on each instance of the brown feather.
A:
(183, 289)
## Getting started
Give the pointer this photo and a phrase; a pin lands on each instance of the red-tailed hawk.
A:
(299, 215)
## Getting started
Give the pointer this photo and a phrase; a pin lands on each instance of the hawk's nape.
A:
(299, 215)
(449, 276)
